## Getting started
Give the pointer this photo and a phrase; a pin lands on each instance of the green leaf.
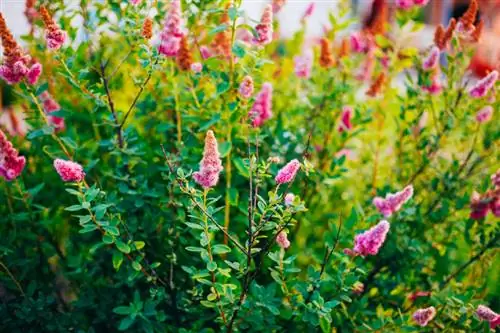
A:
(108, 239)
(126, 323)
(220, 249)
(212, 266)
(88, 228)
(239, 50)
(42, 88)
(194, 226)
(136, 266)
(224, 148)
(117, 260)
(122, 246)
(194, 249)
(217, 29)
(139, 244)
(222, 87)
(73, 208)
(122, 310)
(210, 123)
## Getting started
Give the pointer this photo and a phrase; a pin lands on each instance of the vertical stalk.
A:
(178, 115)
(227, 208)
(13, 278)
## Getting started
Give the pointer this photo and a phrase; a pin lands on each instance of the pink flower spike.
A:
(210, 165)
(34, 73)
(288, 172)
(309, 11)
(359, 43)
(345, 119)
(246, 87)
(303, 64)
(172, 31)
(282, 240)
(205, 52)
(393, 202)
(423, 316)
(370, 241)
(49, 106)
(11, 164)
(484, 115)
(262, 107)
(289, 197)
(481, 88)
(265, 28)
(55, 38)
(196, 67)
(485, 313)
(404, 4)
(69, 171)
(432, 59)
(479, 207)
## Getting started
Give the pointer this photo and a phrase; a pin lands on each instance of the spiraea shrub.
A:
(178, 166)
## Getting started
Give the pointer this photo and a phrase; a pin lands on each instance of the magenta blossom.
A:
(404, 4)
(484, 115)
(265, 28)
(345, 119)
(303, 64)
(196, 67)
(205, 52)
(172, 31)
(289, 197)
(309, 10)
(282, 240)
(261, 109)
(69, 171)
(246, 87)
(479, 207)
(360, 43)
(14, 72)
(370, 241)
(49, 106)
(423, 316)
(288, 172)
(432, 59)
(11, 164)
(481, 88)
(393, 202)
(211, 164)
(436, 86)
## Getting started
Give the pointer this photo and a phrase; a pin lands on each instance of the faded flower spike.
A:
(423, 316)
(486, 314)
(370, 241)
(69, 171)
(393, 202)
(282, 240)
(147, 28)
(288, 172)
(11, 164)
(54, 36)
(326, 57)
(265, 27)
(261, 109)
(432, 59)
(246, 87)
(210, 165)
(481, 88)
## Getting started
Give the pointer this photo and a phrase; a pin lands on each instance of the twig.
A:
(13, 278)
(111, 104)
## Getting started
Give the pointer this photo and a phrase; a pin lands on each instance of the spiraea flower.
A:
(486, 314)
(288, 172)
(483, 86)
(404, 4)
(377, 85)
(172, 31)
(11, 164)
(309, 11)
(303, 64)
(423, 316)
(49, 106)
(443, 36)
(365, 70)
(360, 42)
(147, 28)
(69, 171)
(205, 52)
(432, 59)
(30, 11)
(17, 65)
(265, 28)
(345, 119)
(377, 22)
(54, 36)
(277, 5)
(196, 67)
(222, 41)
(468, 19)
(282, 240)
(261, 109)
(479, 206)
(289, 197)
(435, 87)
(345, 48)
(184, 56)
(246, 87)
(393, 202)
(495, 179)
(370, 241)
(484, 115)
(326, 57)
(210, 165)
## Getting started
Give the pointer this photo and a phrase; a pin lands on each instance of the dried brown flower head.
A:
(377, 85)
(222, 41)
(184, 56)
(376, 22)
(442, 37)
(345, 48)
(147, 28)
(469, 17)
(326, 57)
(476, 35)
(11, 49)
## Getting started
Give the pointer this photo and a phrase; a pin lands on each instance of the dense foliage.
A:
(344, 185)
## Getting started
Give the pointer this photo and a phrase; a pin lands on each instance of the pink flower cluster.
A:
(370, 241)
(211, 164)
(303, 64)
(11, 164)
(55, 37)
(360, 43)
(288, 172)
(282, 240)
(409, 4)
(265, 28)
(486, 314)
(481, 88)
(345, 119)
(432, 59)
(196, 67)
(69, 171)
(13, 70)
(289, 197)
(246, 87)
(436, 86)
(172, 31)
(480, 206)
(393, 202)
(309, 10)
(262, 107)
(423, 316)
(484, 115)
(49, 106)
